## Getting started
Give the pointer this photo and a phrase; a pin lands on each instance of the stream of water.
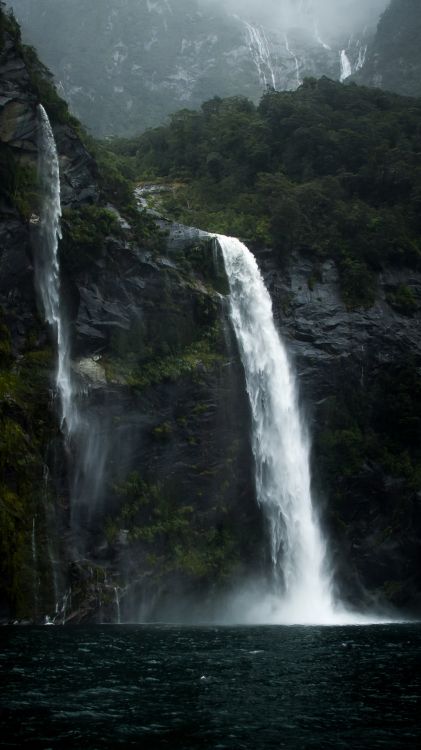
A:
(302, 579)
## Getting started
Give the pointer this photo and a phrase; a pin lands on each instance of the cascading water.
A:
(280, 445)
(362, 54)
(35, 574)
(88, 442)
(346, 68)
(259, 47)
(301, 591)
(47, 271)
(319, 40)
(295, 58)
(117, 604)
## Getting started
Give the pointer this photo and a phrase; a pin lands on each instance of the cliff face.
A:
(358, 372)
(394, 59)
(154, 494)
(150, 508)
(124, 66)
(29, 516)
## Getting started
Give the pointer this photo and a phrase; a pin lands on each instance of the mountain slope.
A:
(155, 375)
(124, 65)
(394, 59)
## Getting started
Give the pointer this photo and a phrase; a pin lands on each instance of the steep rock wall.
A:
(346, 360)
(166, 504)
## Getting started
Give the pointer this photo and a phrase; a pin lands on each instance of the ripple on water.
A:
(263, 688)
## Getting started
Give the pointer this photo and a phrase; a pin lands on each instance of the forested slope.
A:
(333, 170)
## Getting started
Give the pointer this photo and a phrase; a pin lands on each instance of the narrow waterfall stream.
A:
(47, 271)
(301, 590)
(261, 54)
(82, 433)
(346, 68)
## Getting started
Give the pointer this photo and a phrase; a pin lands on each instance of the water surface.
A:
(216, 687)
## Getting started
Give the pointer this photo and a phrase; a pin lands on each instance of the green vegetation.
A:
(403, 299)
(333, 171)
(42, 83)
(85, 231)
(8, 24)
(173, 535)
(378, 425)
(134, 370)
(26, 427)
(19, 183)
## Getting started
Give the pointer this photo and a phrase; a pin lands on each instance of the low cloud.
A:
(329, 15)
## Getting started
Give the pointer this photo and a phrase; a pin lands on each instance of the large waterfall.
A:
(301, 590)
(47, 271)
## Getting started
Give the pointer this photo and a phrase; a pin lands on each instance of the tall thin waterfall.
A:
(87, 440)
(346, 68)
(295, 58)
(280, 446)
(47, 271)
(259, 47)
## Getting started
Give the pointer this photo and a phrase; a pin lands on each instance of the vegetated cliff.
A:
(360, 381)
(393, 61)
(159, 386)
(124, 65)
(169, 516)
(329, 178)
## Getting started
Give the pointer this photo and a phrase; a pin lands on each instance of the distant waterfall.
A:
(280, 445)
(47, 271)
(362, 54)
(318, 38)
(295, 58)
(259, 47)
(346, 69)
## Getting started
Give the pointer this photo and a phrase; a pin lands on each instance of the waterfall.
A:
(346, 69)
(362, 54)
(259, 47)
(35, 574)
(88, 443)
(318, 38)
(117, 604)
(47, 270)
(280, 446)
(295, 58)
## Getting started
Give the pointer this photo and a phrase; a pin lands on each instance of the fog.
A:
(329, 16)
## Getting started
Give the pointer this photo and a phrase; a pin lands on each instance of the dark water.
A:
(169, 687)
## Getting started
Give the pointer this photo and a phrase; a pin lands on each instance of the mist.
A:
(330, 16)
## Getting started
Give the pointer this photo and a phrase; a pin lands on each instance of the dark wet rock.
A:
(341, 356)
(162, 388)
